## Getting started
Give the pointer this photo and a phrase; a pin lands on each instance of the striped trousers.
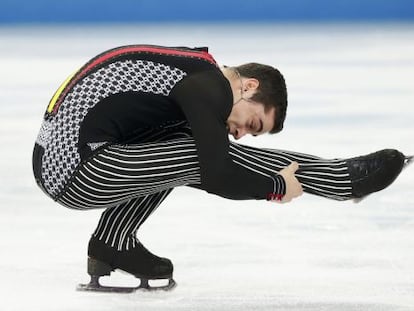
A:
(131, 180)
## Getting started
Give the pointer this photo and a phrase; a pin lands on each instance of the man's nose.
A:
(239, 133)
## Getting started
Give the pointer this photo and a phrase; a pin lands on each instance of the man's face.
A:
(248, 117)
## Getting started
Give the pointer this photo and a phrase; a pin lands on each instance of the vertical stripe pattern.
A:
(324, 177)
(118, 225)
(132, 180)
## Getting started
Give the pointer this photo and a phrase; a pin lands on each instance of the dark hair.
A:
(271, 92)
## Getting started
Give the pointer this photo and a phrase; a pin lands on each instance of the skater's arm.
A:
(206, 100)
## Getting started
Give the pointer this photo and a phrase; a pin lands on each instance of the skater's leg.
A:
(118, 225)
(324, 177)
(114, 244)
(339, 179)
(119, 173)
(115, 174)
(131, 181)
(153, 161)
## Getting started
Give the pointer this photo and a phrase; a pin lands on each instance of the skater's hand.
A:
(293, 186)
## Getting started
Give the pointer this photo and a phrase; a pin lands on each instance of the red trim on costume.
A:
(274, 197)
(157, 50)
(132, 49)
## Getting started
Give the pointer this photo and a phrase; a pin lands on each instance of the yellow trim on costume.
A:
(58, 92)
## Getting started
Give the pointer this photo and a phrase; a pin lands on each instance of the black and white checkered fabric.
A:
(60, 134)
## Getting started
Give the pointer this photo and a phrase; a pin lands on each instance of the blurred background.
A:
(127, 11)
(349, 67)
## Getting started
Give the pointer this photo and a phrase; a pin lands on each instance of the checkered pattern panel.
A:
(60, 136)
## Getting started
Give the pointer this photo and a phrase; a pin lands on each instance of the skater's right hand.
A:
(293, 186)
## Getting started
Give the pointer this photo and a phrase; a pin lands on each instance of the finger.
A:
(300, 188)
(293, 167)
(276, 201)
(286, 200)
(298, 193)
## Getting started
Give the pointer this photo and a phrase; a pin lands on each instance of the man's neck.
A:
(234, 80)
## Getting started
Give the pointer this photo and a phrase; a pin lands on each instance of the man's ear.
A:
(251, 84)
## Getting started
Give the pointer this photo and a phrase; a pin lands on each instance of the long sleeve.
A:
(206, 101)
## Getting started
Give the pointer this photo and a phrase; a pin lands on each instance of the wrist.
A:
(279, 189)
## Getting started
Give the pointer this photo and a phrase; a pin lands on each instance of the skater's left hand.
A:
(293, 186)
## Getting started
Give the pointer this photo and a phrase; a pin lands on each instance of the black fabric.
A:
(118, 118)
(38, 152)
(207, 100)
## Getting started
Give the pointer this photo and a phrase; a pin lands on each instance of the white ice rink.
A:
(351, 92)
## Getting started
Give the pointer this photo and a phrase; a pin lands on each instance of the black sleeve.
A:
(206, 101)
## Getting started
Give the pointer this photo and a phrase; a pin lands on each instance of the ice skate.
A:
(103, 259)
(375, 171)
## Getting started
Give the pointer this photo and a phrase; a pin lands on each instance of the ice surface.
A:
(351, 92)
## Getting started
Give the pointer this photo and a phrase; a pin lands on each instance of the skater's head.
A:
(260, 99)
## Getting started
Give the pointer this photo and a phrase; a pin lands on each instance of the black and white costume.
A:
(137, 121)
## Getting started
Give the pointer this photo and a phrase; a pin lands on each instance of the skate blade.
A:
(94, 286)
(408, 160)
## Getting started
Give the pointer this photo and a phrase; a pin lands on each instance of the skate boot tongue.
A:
(375, 171)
